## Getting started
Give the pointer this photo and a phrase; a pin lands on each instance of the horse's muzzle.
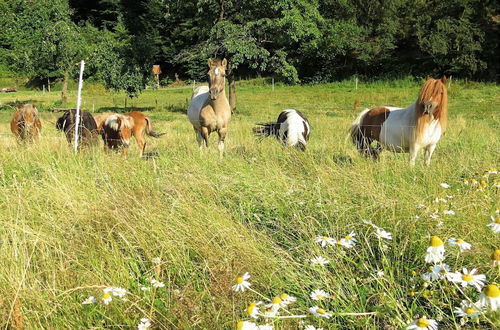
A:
(214, 93)
(429, 108)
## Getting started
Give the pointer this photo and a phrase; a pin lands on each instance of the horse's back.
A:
(397, 129)
(199, 100)
(294, 127)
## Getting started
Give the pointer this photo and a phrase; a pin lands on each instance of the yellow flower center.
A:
(284, 296)
(492, 291)
(325, 238)
(423, 323)
(320, 311)
(436, 241)
(250, 308)
(469, 310)
(348, 237)
(277, 300)
(320, 296)
(412, 293)
(239, 280)
(107, 295)
(460, 241)
(496, 255)
(467, 277)
(497, 220)
(240, 325)
(442, 271)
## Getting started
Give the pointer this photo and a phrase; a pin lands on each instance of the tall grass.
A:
(74, 224)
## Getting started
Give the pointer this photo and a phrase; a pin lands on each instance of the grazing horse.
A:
(209, 109)
(291, 128)
(25, 123)
(87, 132)
(419, 126)
(117, 130)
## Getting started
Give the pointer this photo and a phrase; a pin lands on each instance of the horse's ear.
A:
(224, 63)
(443, 79)
(210, 62)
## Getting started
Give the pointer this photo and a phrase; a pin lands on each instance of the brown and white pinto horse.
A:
(209, 110)
(419, 126)
(25, 123)
(117, 130)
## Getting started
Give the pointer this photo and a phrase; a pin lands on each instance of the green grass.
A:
(74, 224)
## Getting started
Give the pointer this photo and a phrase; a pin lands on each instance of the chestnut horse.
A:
(209, 110)
(419, 126)
(25, 123)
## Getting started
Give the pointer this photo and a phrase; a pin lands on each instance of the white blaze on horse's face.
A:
(216, 77)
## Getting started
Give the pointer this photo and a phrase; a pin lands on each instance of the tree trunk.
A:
(232, 92)
(64, 91)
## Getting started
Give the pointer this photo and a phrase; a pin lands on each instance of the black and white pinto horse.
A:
(87, 131)
(291, 128)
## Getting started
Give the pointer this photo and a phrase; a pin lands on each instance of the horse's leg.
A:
(205, 134)
(199, 139)
(140, 142)
(414, 149)
(222, 136)
(428, 154)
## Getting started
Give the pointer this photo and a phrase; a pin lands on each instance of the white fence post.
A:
(273, 83)
(356, 83)
(78, 104)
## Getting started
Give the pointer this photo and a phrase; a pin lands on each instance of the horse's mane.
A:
(431, 89)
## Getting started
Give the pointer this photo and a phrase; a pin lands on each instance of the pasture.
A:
(75, 224)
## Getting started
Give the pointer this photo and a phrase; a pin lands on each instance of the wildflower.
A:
(496, 183)
(434, 216)
(380, 273)
(444, 185)
(420, 206)
(440, 200)
(490, 297)
(265, 327)
(90, 300)
(349, 241)
(423, 323)
(492, 171)
(368, 222)
(467, 278)
(253, 309)
(435, 251)
(156, 260)
(145, 324)
(495, 225)
(474, 182)
(107, 295)
(157, 284)
(465, 182)
(312, 327)
(270, 313)
(320, 312)
(242, 283)
(319, 261)
(246, 325)
(287, 300)
(119, 292)
(145, 288)
(319, 295)
(276, 304)
(463, 245)
(439, 271)
(380, 233)
(495, 258)
(467, 309)
(323, 240)
(449, 212)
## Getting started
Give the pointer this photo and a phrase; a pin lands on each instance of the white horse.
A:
(419, 126)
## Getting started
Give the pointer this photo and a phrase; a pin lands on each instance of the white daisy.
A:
(495, 258)
(320, 312)
(119, 292)
(439, 271)
(492, 171)
(324, 240)
(107, 295)
(490, 297)
(349, 241)
(467, 309)
(380, 273)
(253, 309)
(368, 222)
(276, 304)
(380, 233)
(467, 278)
(449, 212)
(444, 185)
(145, 324)
(435, 251)
(287, 300)
(242, 283)
(423, 323)
(319, 295)
(434, 216)
(463, 245)
(145, 288)
(495, 224)
(89, 300)
(319, 261)
(157, 284)
(246, 325)
(265, 327)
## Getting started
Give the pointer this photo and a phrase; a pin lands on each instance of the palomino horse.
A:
(209, 109)
(25, 123)
(291, 128)
(419, 126)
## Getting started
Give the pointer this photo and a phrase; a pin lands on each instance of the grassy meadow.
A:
(73, 225)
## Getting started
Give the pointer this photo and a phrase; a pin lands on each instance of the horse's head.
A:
(29, 114)
(119, 127)
(216, 76)
(433, 96)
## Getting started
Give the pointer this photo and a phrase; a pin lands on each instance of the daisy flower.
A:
(435, 251)
(439, 271)
(242, 283)
(467, 278)
(492, 171)
(320, 312)
(496, 183)
(90, 300)
(145, 288)
(449, 212)
(490, 297)
(324, 240)
(253, 309)
(287, 300)
(107, 295)
(119, 292)
(380, 273)
(368, 222)
(145, 324)
(463, 245)
(495, 258)
(495, 224)
(270, 313)
(444, 185)
(467, 309)
(265, 327)
(276, 304)
(319, 295)
(380, 233)
(349, 241)
(246, 325)
(157, 284)
(319, 261)
(434, 216)
(423, 323)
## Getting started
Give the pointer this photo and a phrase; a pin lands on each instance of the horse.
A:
(25, 123)
(117, 130)
(418, 126)
(291, 128)
(87, 131)
(209, 108)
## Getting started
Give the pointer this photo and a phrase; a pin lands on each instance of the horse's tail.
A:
(267, 129)
(149, 130)
(355, 132)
